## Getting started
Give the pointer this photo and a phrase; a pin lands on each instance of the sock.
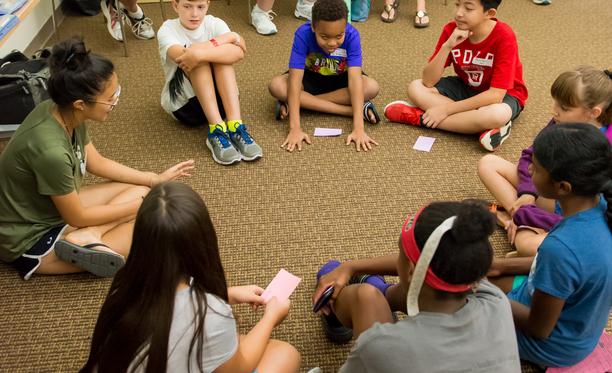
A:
(232, 125)
(136, 15)
(212, 127)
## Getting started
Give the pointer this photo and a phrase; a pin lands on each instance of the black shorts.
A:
(29, 261)
(454, 88)
(191, 114)
(317, 84)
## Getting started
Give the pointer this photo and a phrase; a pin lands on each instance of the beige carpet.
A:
(294, 211)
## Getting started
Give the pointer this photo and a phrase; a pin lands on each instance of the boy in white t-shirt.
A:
(198, 52)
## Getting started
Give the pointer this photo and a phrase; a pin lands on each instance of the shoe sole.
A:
(264, 34)
(299, 15)
(253, 158)
(109, 21)
(99, 263)
(489, 138)
(209, 145)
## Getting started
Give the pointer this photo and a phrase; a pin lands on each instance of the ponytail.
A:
(76, 74)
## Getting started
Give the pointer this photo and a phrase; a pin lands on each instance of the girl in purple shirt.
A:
(581, 95)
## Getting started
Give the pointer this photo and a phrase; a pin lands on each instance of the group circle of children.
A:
(547, 302)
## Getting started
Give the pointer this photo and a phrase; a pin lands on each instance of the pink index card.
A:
(599, 361)
(327, 132)
(281, 286)
(424, 143)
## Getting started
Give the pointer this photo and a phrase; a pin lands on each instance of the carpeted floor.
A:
(294, 211)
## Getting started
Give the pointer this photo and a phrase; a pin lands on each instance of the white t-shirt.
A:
(173, 33)
(220, 335)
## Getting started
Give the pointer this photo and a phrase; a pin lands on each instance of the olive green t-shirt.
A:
(39, 161)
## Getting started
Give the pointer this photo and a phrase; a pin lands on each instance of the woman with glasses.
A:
(49, 222)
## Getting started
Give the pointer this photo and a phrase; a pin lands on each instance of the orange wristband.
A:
(214, 42)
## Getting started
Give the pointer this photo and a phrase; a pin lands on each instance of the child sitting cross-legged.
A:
(453, 316)
(488, 92)
(197, 53)
(325, 75)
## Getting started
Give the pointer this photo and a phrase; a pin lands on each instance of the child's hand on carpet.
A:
(361, 140)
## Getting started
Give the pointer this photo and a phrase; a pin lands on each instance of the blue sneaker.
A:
(245, 144)
(223, 152)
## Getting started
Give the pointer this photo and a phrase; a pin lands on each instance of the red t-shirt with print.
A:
(494, 62)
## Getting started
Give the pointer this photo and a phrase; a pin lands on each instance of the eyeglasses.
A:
(114, 103)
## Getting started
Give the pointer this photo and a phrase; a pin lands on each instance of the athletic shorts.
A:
(192, 115)
(454, 88)
(29, 261)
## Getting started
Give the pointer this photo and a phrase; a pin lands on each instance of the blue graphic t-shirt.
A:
(306, 53)
(573, 263)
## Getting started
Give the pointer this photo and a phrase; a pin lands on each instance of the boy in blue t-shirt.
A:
(325, 75)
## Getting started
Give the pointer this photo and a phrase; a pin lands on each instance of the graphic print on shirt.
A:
(321, 64)
(474, 66)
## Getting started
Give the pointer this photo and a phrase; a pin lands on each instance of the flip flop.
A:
(368, 107)
(99, 263)
(387, 9)
(277, 109)
(420, 15)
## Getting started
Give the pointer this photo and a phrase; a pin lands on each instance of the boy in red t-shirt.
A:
(488, 92)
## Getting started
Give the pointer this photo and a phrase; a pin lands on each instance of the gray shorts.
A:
(454, 88)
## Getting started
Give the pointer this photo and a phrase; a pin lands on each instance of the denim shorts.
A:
(455, 89)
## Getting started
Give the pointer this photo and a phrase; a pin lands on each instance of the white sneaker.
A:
(262, 21)
(112, 19)
(303, 9)
(141, 27)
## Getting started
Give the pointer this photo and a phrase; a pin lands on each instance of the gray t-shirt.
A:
(479, 337)
(220, 335)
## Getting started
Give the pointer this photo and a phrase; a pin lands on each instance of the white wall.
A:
(27, 29)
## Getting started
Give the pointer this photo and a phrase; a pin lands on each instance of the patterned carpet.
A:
(294, 211)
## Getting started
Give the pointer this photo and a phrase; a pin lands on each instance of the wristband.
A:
(214, 42)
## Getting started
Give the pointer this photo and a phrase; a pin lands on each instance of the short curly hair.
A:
(329, 10)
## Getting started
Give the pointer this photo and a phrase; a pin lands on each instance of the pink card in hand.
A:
(281, 286)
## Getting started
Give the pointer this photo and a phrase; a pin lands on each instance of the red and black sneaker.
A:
(492, 139)
(403, 112)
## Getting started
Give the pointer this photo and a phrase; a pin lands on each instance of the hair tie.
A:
(70, 57)
(422, 265)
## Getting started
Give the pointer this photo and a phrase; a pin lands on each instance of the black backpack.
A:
(23, 85)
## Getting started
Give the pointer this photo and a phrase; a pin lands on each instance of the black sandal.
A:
(277, 109)
(99, 263)
(369, 107)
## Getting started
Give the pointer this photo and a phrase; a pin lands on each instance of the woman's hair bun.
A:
(474, 223)
(69, 54)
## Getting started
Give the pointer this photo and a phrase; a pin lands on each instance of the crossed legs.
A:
(117, 235)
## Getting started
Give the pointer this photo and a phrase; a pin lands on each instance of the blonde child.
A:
(198, 52)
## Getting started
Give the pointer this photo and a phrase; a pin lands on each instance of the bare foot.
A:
(284, 111)
(86, 236)
(503, 218)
